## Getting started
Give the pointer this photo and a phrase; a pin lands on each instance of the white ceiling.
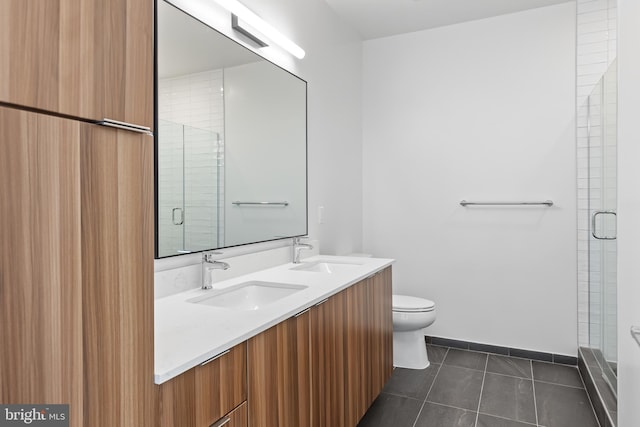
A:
(382, 18)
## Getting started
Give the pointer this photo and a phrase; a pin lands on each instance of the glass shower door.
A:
(602, 240)
(190, 189)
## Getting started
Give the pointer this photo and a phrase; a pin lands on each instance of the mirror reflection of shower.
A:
(191, 191)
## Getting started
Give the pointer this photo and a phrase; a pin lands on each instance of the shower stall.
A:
(601, 354)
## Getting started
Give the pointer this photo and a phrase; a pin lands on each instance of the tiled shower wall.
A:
(192, 154)
(596, 50)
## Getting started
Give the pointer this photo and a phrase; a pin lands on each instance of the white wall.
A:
(333, 70)
(485, 111)
(628, 212)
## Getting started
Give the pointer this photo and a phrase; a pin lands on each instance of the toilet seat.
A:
(408, 304)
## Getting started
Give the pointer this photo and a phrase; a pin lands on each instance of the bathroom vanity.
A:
(316, 357)
(299, 344)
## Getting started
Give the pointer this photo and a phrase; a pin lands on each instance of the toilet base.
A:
(410, 350)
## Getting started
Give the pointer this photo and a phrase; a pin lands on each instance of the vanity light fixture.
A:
(241, 17)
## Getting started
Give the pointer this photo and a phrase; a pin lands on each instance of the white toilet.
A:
(410, 316)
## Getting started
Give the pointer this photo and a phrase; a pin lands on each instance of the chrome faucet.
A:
(296, 247)
(208, 264)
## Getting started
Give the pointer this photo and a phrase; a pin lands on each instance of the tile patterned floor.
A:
(471, 389)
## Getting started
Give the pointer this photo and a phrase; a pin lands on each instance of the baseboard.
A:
(504, 351)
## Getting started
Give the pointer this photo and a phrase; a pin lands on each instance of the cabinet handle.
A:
(214, 358)
(303, 312)
(222, 422)
(322, 302)
(126, 126)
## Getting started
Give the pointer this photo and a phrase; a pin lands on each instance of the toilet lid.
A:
(407, 303)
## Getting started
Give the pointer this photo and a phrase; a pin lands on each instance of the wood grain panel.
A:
(221, 385)
(357, 352)
(40, 275)
(239, 417)
(117, 276)
(90, 59)
(327, 361)
(204, 394)
(381, 332)
(176, 401)
(278, 377)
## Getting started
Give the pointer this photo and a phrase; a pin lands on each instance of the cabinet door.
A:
(40, 272)
(91, 59)
(380, 331)
(279, 377)
(117, 276)
(327, 361)
(202, 395)
(357, 355)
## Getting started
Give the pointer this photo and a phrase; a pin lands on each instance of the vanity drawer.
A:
(204, 394)
(236, 418)
(221, 385)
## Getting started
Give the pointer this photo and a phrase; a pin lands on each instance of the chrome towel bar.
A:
(546, 203)
(285, 203)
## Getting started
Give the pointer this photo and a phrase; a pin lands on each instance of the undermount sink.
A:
(247, 296)
(326, 266)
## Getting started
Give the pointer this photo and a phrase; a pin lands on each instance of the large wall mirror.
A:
(231, 141)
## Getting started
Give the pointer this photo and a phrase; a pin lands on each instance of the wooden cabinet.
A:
(205, 393)
(279, 376)
(76, 287)
(322, 367)
(91, 59)
(351, 351)
(76, 253)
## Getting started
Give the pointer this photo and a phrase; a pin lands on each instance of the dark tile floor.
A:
(471, 389)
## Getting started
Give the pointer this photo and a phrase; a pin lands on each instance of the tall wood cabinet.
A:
(76, 282)
(90, 59)
(76, 236)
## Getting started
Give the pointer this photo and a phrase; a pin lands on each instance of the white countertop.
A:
(187, 334)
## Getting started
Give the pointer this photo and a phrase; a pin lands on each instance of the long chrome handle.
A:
(593, 224)
(217, 356)
(546, 203)
(126, 126)
(284, 203)
(635, 333)
(302, 312)
(173, 216)
(222, 422)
